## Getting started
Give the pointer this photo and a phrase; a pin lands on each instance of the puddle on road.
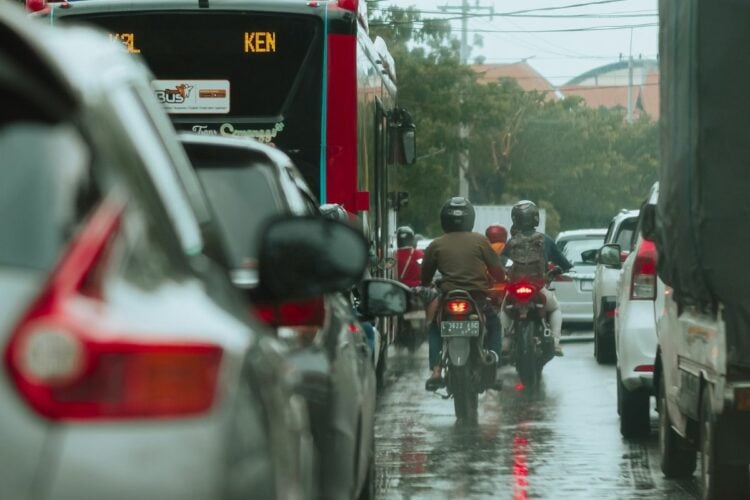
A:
(561, 441)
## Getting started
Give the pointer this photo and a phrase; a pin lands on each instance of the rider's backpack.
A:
(527, 253)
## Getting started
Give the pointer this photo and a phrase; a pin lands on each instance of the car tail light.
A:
(643, 279)
(522, 291)
(350, 5)
(458, 307)
(67, 361)
(36, 5)
(301, 313)
(644, 368)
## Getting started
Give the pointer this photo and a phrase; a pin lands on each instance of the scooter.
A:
(468, 368)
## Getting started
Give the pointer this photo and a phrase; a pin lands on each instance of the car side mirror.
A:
(648, 222)
(306, 256)
(384, 297)
(589, 256)
(609, 256)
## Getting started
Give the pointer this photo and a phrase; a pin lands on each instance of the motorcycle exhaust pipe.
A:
(488, 368)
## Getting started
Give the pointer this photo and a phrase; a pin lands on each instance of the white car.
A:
(635, 333)
(619, 232)
(573, 289)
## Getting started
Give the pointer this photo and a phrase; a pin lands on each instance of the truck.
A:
(702, 365)
(487, 215)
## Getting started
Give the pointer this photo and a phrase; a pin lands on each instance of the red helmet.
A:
(496, 233)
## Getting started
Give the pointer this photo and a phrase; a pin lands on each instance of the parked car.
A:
(635, 330)
(604, 294)
(573, 289)
(247, 185)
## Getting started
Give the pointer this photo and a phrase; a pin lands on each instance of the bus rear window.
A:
(225, 63)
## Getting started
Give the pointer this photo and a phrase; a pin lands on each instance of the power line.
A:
(539, 9)
(561, 30)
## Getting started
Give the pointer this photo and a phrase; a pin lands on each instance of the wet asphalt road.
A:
(563, 442)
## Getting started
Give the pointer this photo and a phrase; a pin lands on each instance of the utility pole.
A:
(630, 80)
(463, 129)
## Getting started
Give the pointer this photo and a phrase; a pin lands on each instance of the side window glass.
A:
(608, 236)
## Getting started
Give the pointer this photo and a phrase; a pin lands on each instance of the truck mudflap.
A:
(733, 428)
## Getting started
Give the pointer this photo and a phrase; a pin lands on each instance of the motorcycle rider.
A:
(525, 217)
(463, 258)
(408, 257)
(497, 236)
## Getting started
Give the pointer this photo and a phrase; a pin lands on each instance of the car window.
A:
(574, 248)
(42, 192)
(243, 199)
(625, 233)
(608, 236)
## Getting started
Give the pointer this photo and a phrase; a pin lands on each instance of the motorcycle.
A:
(469, 368)
(531, 341)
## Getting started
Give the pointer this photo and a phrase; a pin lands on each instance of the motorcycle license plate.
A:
(459, 329)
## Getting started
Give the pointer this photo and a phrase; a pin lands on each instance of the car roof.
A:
(577, 234)
(626, 214)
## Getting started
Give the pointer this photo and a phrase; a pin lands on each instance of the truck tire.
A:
(719, 480)
(634, 412)
(678, 458)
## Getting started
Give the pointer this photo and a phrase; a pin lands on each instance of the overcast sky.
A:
(560, 55)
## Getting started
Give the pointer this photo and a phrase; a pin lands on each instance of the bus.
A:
(301, 75)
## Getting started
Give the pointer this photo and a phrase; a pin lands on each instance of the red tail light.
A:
(458, 306)
(522, 291)
(68, 364)
(643, 279)
(301, 313)
(36, 5)
(644, 368)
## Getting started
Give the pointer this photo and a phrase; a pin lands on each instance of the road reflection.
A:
(559, 441)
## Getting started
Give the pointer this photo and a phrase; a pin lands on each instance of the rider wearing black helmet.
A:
(525, 217)
(463, 259)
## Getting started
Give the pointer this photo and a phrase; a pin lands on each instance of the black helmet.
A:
(334, 211)
(405, 237)
(457, 214)
(525, 215)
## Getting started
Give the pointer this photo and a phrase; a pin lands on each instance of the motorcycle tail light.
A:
(458, 306)
(522, 291)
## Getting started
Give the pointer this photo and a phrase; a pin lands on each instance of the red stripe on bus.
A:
(341, 122)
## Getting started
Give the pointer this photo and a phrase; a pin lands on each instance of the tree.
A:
(581, 164)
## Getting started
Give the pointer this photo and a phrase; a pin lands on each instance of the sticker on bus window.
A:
(193, 96)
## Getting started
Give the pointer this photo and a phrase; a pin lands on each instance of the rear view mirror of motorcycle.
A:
(384, 297)
(306, 256)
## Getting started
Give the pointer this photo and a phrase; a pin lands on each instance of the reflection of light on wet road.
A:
(559, 441)
(520, 468)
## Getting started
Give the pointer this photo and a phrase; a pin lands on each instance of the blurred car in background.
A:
(635, 329)
(620, 232)
(247, 185)
(573, 289)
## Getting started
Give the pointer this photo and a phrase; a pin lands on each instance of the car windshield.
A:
(243, 199)
(574, 248)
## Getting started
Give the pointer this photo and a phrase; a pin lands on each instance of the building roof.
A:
(526, 76)
(607, 86)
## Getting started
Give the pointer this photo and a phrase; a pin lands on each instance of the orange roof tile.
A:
(526, 76)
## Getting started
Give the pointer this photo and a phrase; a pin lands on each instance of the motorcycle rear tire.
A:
(527, 364)
(465, 397)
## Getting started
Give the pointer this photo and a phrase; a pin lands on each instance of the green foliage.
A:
(581, 164)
